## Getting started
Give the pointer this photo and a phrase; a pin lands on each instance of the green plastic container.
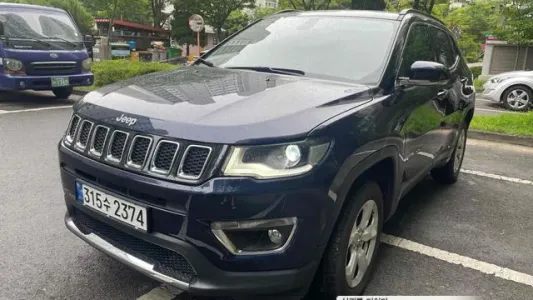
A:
(173, 52)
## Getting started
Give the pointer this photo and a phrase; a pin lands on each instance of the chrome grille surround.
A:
(93, 150)
(131, 160)
(83, 135)
(157, 154)
(190, 175)
(110, 156)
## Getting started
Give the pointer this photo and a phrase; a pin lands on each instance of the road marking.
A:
(5, 112)
(499, 177)
(457, 259)
(162, 292)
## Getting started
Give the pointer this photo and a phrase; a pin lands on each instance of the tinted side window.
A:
(417, 47)
(443, 47)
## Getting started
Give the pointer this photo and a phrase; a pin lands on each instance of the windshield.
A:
(26, 23)
(342, 48)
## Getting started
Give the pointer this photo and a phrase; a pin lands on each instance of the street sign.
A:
(196, 23)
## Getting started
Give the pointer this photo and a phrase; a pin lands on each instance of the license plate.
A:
(60, 81)
(112, 206)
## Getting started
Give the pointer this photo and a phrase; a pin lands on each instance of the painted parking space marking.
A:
(5, 112)
(453, 258)
(162, 292)
(498, 177)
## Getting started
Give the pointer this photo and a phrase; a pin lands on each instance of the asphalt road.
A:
(483, 217)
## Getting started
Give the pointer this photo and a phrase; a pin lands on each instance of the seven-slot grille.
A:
(137, 151)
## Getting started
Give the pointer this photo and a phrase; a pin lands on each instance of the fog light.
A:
(22, 84)
(275, 236)
(89, 81)
(252, 237)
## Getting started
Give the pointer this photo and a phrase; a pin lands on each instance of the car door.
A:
(449, 96)
(419, 109)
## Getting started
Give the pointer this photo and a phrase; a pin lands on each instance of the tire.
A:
(332, 276)
(63, 93)
(517, 91)
(449, 173)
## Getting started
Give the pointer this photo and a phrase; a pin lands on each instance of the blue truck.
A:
(41, 48)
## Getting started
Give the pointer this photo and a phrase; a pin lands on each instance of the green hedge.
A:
(111, 71)
(476, 71)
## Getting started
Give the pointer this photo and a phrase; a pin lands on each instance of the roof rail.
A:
(286, 11)
(412, 10)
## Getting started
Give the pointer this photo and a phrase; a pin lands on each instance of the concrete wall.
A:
(502, 57)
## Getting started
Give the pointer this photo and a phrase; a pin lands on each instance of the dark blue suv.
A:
(268, 167)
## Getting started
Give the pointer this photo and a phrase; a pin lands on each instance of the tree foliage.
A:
(216, 12)
(237, 20)
(181, 31)
(138, 11)
(158, 15)
(517, 21)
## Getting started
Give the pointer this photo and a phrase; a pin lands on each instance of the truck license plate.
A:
(60, 81)
(111, 206)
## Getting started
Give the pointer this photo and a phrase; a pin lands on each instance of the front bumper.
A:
(180, 249)
(27, 82)
(492, 91)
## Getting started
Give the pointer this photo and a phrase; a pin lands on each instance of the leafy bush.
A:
(478, 84)
(476, 71)
(111, 71)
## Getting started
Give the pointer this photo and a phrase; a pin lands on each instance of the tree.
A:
(181, 31)
(216, 12)
(138, 11)
(517, 21)
(158, 15)
(319, 4)
(237, 20)
(369, 4)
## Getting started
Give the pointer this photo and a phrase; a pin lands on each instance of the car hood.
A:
(514, 74)
(222, 106)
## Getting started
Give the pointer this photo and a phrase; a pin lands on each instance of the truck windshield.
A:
(43, 26)
(339, 48)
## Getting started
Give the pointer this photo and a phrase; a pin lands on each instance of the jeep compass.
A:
(268, 167)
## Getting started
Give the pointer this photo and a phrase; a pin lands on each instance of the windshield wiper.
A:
(64, 40)
(271, 70)
(205, 62)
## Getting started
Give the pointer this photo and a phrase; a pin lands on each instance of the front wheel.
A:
(517, 98)
(351, 253)
(62, 93)
(449, 173)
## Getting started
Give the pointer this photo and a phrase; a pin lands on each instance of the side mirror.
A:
(88, 40)
(424, 73)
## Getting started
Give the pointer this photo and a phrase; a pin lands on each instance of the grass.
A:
(85, 88)
(520, 124)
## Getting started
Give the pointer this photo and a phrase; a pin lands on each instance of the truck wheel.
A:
(449, 173)
(350, 256)
(63, 93)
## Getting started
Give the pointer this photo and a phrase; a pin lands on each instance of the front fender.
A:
(504, 85)
(354, 166)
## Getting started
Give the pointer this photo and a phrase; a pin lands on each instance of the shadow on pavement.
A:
(28, 99)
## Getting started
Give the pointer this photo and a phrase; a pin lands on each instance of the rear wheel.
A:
(350, 256)
(63, 93)
(517, 98)
(449, 173)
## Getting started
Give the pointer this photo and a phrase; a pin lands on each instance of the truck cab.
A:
(41, 48)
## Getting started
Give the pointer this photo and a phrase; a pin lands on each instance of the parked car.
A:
(513, 89)
(263, 169)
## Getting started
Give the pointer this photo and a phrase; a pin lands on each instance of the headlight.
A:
(498, 79)
(13, 64)
(86, 65)
(274, 161)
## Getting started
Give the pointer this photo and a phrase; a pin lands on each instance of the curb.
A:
(501, 138)
(79, 93)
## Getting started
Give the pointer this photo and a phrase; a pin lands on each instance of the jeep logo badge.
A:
(53, 55)
(126, 120)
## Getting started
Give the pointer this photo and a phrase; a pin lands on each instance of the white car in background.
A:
(513, 89)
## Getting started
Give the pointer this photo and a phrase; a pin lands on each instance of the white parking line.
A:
(162, 292)
(457, 259)
(5, 112)
(499, 177)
